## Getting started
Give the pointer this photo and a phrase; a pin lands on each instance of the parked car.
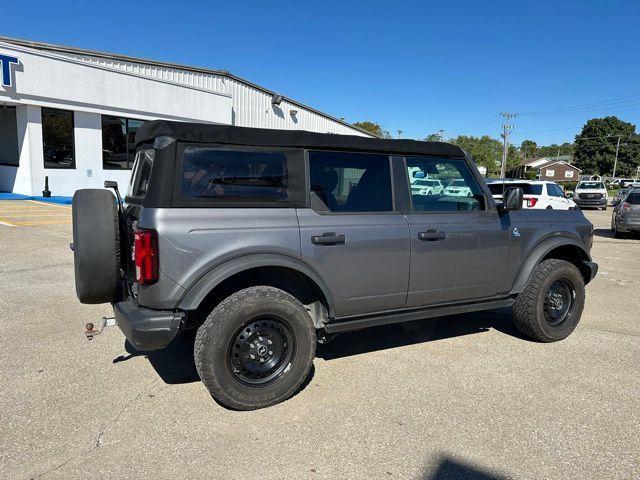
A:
(538, 194)
(427, 187)
(626, 214)
(623, 182)
(267, 242)
(590, 194)
(458, 188)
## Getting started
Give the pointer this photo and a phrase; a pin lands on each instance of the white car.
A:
(458, 188)
(538, 194)
(425, 186)
(591, 193)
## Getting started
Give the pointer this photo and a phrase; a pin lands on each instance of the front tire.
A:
(550, 306)
(255, 349)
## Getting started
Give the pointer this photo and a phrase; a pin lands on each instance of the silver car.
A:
(626, 214)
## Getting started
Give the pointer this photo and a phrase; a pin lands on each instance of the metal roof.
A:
(126, 58)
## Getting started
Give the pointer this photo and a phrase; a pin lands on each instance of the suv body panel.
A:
(368, 273)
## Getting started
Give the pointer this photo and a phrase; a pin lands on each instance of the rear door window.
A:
(351, 182)
(496, 188)
(634, 198)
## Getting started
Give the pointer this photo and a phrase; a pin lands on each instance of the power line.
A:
(612, 103)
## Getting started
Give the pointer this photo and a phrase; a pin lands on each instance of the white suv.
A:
(538, 194)
(591, 194)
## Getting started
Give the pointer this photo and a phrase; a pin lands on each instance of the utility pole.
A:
(399, 133)
(506, 128)
(615, 162)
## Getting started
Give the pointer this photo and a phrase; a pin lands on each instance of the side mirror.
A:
(512, 199)
(568, 195)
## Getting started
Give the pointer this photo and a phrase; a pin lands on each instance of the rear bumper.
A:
(146, 329)
(628, 226)
(592, 269)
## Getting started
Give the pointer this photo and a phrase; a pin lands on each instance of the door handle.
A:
(431, 235)
(328, 238)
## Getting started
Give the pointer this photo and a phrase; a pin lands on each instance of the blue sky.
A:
(411, 66)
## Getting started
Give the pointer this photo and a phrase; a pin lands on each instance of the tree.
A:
(374, 128)
(554, 150)
(528, 148)
(433, 137)
(486, 151)
(595, 147)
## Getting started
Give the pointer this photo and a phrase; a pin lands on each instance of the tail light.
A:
(531, 201)
(625, 207)
(145, 256)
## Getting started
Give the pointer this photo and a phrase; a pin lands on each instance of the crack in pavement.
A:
(98, 443)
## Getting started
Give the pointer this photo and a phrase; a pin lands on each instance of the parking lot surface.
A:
(455, 397)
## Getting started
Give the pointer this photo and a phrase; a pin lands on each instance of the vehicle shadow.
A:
(175, 363)
(603, 232)
(419, 331)
(449, 468)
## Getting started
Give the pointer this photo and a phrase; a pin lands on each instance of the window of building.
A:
(118, 142)
(234, 174)
(550, 173)
(568, 174)
(452, 187)
(57, 138)
(351, 182)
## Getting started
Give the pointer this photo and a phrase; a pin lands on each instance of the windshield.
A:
(590, 186)
(458, 183)
(527, 188)
(428, 183)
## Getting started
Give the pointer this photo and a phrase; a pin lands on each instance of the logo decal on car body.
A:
(516, 232)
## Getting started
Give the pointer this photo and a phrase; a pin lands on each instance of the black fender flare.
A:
(540, 251)
(205, 284)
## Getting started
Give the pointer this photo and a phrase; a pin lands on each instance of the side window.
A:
(443, 185)
(351, 182)
(554, 190)
(214, 173)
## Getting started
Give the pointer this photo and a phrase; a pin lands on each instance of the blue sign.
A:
(5, 67)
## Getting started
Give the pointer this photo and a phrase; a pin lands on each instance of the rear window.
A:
(141, 173)
(209, 172)
(527, 188)
(634, 198)
(590, 185)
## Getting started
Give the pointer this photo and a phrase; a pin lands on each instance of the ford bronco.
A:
(269, 241)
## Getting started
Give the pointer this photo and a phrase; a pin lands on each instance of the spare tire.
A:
(96, 245)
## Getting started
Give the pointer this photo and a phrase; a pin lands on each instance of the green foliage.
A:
(553, 149)
(486, 151)
(374, 128)
(595, 147)
(528, 148)
(433, 137)
(531, 174)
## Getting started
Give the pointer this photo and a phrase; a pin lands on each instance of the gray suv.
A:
(268, 242)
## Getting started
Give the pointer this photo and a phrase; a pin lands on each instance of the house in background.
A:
(556, 169)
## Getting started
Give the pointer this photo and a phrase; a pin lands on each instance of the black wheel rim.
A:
(558, 302)
(261, 351)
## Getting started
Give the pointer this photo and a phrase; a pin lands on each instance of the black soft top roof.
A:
(227, 134)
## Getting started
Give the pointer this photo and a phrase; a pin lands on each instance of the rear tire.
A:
(255, 349)
(96, 245)
(550, 306)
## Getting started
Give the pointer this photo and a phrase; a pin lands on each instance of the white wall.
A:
(47, 79)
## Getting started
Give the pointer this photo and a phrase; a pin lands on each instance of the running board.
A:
(358, 323)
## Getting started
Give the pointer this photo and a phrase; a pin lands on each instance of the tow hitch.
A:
(91, 331)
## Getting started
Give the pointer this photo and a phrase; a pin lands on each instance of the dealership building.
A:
(71, 115)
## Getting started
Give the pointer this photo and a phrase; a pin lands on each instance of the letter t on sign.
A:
(6, 61)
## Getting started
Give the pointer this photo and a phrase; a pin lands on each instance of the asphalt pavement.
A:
(454, 397)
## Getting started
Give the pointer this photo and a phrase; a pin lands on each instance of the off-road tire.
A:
(96, 245)
(217, 336)
(529, 307)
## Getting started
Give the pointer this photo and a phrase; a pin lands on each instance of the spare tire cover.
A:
(96, 245)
